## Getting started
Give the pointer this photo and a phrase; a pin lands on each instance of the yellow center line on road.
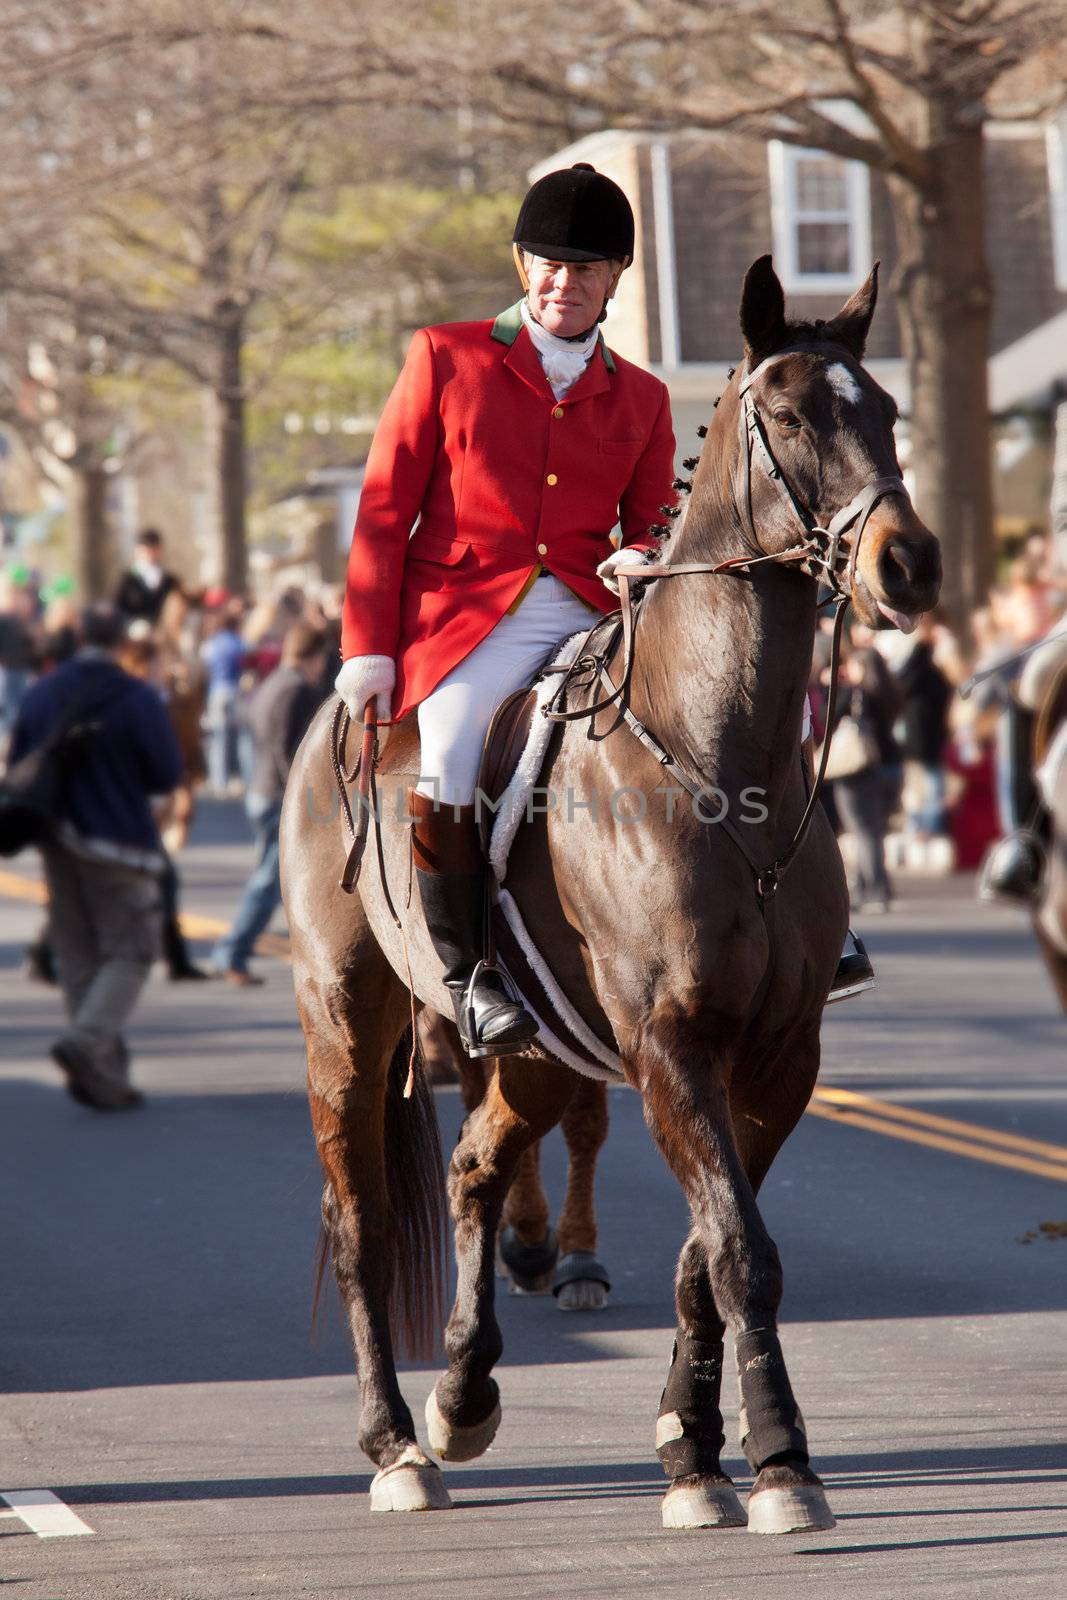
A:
(947, 1125)
(16, 887)
(971, 1148)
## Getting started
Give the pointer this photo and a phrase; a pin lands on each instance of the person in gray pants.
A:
(104, 860)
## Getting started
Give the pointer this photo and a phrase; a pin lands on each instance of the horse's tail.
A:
(416, 1193)
(416, 1183)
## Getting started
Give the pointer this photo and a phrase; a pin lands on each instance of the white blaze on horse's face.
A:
(843, 383)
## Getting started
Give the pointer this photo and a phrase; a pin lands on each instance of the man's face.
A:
(149, 554)
(567, 297)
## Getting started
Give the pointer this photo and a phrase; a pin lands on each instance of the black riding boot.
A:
(450, 871)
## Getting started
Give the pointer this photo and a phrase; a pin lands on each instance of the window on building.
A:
(821, 217)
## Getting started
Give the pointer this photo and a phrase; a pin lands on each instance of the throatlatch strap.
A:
(689, 1432)
(770, 1421)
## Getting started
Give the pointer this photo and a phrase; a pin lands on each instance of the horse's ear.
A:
(852, 323)
(762, 309)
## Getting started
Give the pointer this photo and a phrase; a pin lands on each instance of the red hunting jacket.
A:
(500, 478)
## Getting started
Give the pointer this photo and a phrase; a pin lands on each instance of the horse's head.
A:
(820, 437)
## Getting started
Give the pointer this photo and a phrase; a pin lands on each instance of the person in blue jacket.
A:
(104, 864)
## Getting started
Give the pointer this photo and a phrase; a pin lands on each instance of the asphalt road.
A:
(161, 1380)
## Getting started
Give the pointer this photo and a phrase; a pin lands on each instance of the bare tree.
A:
(187, 146)
(905, 89)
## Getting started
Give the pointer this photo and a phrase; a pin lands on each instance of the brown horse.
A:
(532, 1254)
(663, 928)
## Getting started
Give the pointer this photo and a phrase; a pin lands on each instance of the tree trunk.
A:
(945, 299)
(225, 415)
(92, 550)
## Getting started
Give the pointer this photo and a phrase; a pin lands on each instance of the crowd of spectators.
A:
(205, 650)
(239, 684)
(934, 774)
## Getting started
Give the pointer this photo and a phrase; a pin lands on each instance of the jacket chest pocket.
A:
(618, 458)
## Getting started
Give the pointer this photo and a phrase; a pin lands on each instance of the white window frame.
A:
(1056, 150)
(783, 158)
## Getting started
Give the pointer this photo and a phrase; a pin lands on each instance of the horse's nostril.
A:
(898, 562)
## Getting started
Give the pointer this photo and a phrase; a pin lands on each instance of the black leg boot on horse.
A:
(450, 870)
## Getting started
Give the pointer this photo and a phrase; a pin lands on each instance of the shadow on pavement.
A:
(175, 1245)
(1003, 1465)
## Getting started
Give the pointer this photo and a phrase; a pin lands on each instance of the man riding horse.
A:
(515, 445)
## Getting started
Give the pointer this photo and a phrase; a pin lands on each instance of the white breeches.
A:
(453, 720)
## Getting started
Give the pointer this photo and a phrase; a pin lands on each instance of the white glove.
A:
(627, 557)
(363, 676)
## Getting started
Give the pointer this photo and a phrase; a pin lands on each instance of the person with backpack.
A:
(111, 747)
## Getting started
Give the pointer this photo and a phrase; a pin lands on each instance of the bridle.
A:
(822, 553)
(818, 552)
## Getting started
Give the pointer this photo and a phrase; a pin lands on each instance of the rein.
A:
(819, 552)
(363, 775)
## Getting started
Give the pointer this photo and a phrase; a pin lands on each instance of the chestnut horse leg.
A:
(529, 1247)
(383, 1201)
(522, 1103)
(581, 1283)
(739, 1284)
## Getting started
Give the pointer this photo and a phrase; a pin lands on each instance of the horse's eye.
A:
(786, 419)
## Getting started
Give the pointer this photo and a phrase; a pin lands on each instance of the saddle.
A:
(506, 738)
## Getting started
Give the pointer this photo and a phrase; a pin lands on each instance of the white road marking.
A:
(44, 1513)
(842, 381)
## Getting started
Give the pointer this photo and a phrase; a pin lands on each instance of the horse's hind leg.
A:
(522, 1103)
(581, 1283)
(529, 1248)
(383, 1201)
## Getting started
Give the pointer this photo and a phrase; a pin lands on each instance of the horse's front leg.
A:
(687, 1109)
(689, 1428)
(522, 1103)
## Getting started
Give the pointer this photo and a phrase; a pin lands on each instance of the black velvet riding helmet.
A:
(576, 214)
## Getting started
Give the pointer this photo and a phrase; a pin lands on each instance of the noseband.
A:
(821, 553)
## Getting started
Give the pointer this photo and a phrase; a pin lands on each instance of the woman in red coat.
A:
(512, 448)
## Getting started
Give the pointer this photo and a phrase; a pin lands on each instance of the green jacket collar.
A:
(507, 325)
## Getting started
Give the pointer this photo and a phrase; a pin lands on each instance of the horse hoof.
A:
(529, 1266)
(703, 1503)
(412, 1483)
(583, 1294)
(580, 1283)
(799, 1506)
(459, 1444)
